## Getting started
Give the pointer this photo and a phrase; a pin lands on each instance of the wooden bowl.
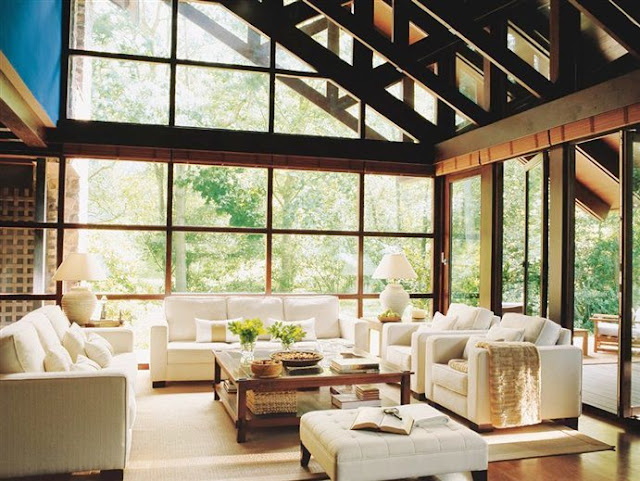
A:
(297, 358)
(382, 318)
(266, 368)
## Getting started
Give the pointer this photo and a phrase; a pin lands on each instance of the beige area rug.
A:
(182, 434)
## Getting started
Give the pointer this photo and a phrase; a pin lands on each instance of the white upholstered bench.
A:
(348, 455)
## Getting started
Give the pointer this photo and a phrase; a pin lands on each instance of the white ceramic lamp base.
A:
(394, 297)
(78, 304)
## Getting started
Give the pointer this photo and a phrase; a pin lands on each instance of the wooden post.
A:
(491, 237)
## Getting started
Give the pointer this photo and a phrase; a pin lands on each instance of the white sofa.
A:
(467, 394)
(62, 422)
(176, 356)
(404, 343)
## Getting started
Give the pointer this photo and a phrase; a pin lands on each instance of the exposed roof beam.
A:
(613, 21)
(499, 54)
(273, 24)
(631, 8)
(401, 58)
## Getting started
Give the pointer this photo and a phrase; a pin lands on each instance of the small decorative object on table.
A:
(105, 323)
(297, 358)
(248, 331)
(418, 314)
(288, 333)
(266, 368)
(389, 316)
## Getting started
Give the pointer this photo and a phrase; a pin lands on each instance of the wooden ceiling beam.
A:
(631, 8)
(401, 58)
(498, 53)
(328, 64)
(613, 21)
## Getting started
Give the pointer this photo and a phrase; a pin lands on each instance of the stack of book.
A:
(346, 398)
(229, 386)
(354, 365)
(367, 392)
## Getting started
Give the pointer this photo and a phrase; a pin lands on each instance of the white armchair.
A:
(467, 394)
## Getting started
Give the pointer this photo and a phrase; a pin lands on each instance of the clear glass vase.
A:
(286, 346)
(246, 351)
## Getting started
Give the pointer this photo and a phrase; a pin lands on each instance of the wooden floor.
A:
(599, 386)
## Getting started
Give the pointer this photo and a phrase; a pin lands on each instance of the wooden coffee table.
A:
(236, 403)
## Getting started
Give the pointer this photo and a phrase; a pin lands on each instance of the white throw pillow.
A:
(215, 331)
(20, 349)
(94, 337)
(73, 341)
(98, 352)
(549, 334)
(532, 324)
(508, 334)
(483, 318)
(443, 323)
(83, 363)
(308, 325)
(57, 360)
(466, 316)
(471, 344)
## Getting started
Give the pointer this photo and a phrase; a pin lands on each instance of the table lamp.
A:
(79, 302)
(394, 267)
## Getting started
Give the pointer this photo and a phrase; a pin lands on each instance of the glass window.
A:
(315, 200)
(528, 51)
(418, 252)
(222, 98)
(27, 260)
(219, 196)
(380, 128)
(309, 106)
(314, 264)
(398, 204)
(332, 38)
(137, 28)
(513, 233)
(287, 60)
(218, 262)
(135, 260)
(209, 32)
(139, 315)
(12, 311)
(118, 90)
(115, 192)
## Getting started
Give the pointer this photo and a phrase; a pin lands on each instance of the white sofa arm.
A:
(478, 397)
(63, 422)
(561, 381)
(355, 330)
(439, 349)
(158, 355)
(396, 334)
(121, 338)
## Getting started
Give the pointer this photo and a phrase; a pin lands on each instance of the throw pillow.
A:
(73, 341)
(532, 324)
(93, 337)
(215, 331)
(483, 319)
(83, 363)
(549, 334)
(460, 365)
(308, 325)
(57, 360)
(443, 323)
(98, 352)
(466, 316)
(471, 344)
(509, 334)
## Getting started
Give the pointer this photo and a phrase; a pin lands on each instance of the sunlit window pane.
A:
(398, 204)
(315, 107)
(315, 264)
(315, 200)
(218, 262)
(135, 27)
(419, 255)
(135, 260)
(118, 90)
(138, 315)
(210, 33)
(115, 192)
(287, 60)
(222, 99)
(219, 196)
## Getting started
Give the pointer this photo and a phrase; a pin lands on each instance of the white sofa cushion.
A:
(470, 317)
(46, 333)
(95, 337)
(262, 307)
(215, 331)
(471, 344)
(73, 341)
(532, 324)
(57, 360)
(508, 334)
(182, 352)
(445, 376)
(549, 334)
(58, 319)
(97, 351)
(83, 363)
(307, 325)
(20, 349)
(326, 310)
(443, 323)
(400, 356)
(182, 311)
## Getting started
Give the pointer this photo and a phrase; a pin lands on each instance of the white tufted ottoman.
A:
(348, 455)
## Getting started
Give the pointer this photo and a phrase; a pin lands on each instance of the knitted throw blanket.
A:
(514, 383)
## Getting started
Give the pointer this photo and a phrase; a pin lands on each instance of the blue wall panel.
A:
(31, 38)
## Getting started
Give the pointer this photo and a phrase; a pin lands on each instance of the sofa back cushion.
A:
(46, 332)
(549, 334)
(263, 307)
(470, 317)
(58, 319)
(181, 313)
(20, 349)
(325, 309)
(532, 325)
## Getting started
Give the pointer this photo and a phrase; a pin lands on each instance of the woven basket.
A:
(272, 402)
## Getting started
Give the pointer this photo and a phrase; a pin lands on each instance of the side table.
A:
(584, 335)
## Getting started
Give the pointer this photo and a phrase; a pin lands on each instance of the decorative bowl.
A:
(266, 368)
(297, 358)
(382, 318)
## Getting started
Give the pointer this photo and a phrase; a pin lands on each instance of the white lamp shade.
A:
(394, 266)
(81, 267)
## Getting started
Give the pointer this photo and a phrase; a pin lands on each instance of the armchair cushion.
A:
(443, 323)
(454, 380)
(509, 334)
(532, 325)
(400, 356)
(470, 317)
(549, 334)
(471, 343)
